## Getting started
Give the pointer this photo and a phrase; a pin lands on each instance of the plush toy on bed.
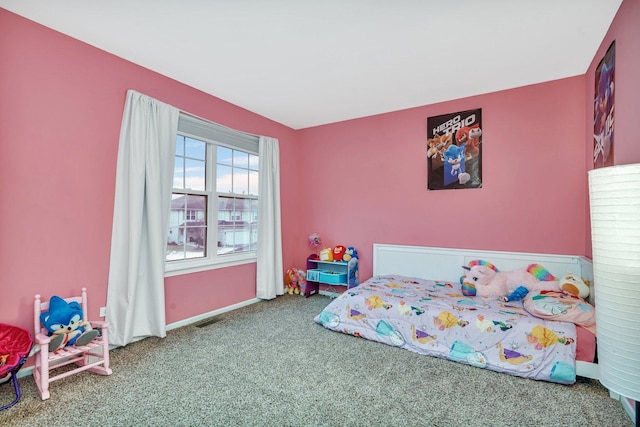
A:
(575, 285)
(64, 323)
(484, 279)
(517, 294)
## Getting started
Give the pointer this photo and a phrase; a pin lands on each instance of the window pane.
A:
(253, 183)
(233, 208)
(179, 145)
(175, 249)
(224, 207)
(197, 206)
(224, 179)
(254, 211)
(195, 149)
(178, 173)
(225, 226)
(195, 242)
(195, 174)
(187, 227)
(253, 162)
(243, 209)
(224, 156)
(237, 232)
(240, 159)
(240, 181)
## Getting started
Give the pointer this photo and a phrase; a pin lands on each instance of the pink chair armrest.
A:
(42, 339)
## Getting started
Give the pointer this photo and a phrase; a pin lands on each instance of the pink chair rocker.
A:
(15, 345)
(92, 356)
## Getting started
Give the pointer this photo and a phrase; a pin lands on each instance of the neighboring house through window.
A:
(214, 207)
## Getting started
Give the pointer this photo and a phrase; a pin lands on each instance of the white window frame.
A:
(214, 135)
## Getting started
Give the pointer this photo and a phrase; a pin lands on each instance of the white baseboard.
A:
(587, 369)
(630, 410)
(29, 370)
(217, 312)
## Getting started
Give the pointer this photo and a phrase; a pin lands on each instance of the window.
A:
(214, 206)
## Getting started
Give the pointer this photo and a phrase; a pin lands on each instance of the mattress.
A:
(434, 318)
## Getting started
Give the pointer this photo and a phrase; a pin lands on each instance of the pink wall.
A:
(357, 182)
(367, 177)
(61, 109)
(626, 32)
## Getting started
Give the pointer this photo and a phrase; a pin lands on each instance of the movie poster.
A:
(603, 110)
(454, 150)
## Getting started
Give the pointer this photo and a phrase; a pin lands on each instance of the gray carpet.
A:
(269, 364)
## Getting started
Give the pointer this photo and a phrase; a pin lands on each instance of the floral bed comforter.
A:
(434, 318)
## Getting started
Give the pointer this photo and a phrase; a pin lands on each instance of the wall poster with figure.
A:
(454, 150)
(603, 110)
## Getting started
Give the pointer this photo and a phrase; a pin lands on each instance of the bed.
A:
(414, 301)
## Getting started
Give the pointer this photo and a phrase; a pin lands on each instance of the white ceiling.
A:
(304, 63)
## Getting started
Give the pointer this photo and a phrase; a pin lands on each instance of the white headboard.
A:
(446, 264)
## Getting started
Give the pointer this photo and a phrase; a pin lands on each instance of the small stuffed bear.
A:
(64, 323)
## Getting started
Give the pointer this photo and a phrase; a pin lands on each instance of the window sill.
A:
(195, 266)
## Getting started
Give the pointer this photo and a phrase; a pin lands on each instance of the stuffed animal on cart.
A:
(326, 254)
(64, 324)
(294, 280)
(483, 279)
(338, 252)
(351, 252)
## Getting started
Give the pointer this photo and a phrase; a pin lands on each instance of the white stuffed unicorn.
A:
(484, 279)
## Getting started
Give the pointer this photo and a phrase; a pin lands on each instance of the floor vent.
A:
(209, 321)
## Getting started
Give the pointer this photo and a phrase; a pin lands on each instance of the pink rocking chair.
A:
(92, 356)
(15, 345)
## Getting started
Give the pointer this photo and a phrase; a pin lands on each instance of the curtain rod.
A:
(198, 117)
(217, 124)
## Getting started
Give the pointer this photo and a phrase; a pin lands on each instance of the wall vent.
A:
(209, 321)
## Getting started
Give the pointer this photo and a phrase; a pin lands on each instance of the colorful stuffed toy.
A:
(64, 323)
(518, 294)
(326, 254)
(575, 285)
(484, 279)
(294, 280)
(351, 252)
(338, 252)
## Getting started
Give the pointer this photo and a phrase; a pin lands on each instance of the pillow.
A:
(561, 306)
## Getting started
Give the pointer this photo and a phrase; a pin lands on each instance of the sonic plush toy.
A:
(351, 252)
(65, 325)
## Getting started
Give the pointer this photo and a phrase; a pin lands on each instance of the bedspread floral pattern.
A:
(434, 318)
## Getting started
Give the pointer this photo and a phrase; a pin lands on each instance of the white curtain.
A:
(144, 179)
(269, 272)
